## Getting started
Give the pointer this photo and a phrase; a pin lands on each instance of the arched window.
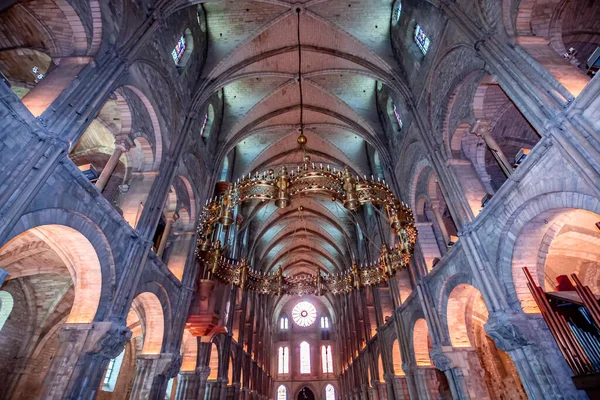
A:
(284, 324)
(398, 119)
(183, 49)
(329, 392)
(207, 123)
(396, 12)
(225, 169)
(327, 359)
(324, 322)
(304, 358)
(284, 360)
(179, 50)
(421, 39)
(282, 393)
(112, 373)
(6, 305)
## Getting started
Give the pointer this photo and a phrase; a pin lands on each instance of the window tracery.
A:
(284, 324)
(304, 314)
(324, 322)
(327, 359)
(284, 360)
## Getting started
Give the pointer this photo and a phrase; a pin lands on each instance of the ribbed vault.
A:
(346, 51)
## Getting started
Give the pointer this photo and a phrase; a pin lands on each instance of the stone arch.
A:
(157, 134)
(153, 321)
(84, 249)
(214, 362)
(397, 358)
(466, 316)
(526, 228)
(420, 342)
(189, 352)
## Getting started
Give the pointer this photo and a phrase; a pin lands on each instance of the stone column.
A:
(464, 378)
(434, 207)
(122, 145)
(81, 357)
(542, 369)
(373, 390)
(171, 218)
(152, 373)
(188, 383)
(483, 130)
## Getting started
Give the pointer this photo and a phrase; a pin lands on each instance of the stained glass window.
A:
(204, 125)
(398, 119)
(304, 313)
(324, 323)
(282, 393)
(329, 392)
(327, 359)
(304, 358)
(179, 49)
(283, 324)
(421, 39)
(396, 12)
(284, 360)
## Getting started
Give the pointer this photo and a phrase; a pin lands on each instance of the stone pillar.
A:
(434, 207)
(171, 218)
(464, 378)
(188, 383)
(152, 374)
(373, 390)
(483, 130)
(83, 353)
(542, 369)
(122, 145)
(203, 372)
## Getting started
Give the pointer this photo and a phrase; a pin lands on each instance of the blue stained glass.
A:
(179, 49)
(397, 114)
(421, 39)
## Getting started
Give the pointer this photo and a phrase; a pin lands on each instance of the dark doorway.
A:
(306, 394)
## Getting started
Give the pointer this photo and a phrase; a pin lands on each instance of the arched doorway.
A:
(306, 394)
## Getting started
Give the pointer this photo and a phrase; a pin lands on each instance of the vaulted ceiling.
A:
(253, 57)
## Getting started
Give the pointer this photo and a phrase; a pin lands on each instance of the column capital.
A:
(123, 142)
(107, 339)
(510, 331)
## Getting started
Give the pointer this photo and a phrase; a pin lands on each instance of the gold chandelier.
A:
(281, 189)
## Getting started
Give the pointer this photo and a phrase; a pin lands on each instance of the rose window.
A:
(304, 313)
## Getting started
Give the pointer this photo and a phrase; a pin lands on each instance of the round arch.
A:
(85, 251)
